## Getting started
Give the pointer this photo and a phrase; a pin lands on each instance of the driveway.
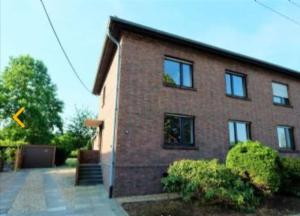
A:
(52, 192)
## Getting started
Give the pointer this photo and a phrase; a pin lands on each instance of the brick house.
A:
(164, 98)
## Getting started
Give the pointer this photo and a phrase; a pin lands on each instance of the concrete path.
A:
(50, 192)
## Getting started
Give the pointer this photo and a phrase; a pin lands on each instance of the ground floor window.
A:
(239, 131)
(178, 130)
(285, 137)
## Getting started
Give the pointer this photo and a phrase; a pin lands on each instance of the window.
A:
(285, 137)
(178, 73)
(238, 131)
(178, 130)
(103, 96)
(235, 84)
(280, 94)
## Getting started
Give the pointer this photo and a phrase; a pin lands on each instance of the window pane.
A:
(187, 133)
(277, 99)
(172, 130)
(238, 86)
(228, 84)
(231, 133)
(187, 75)
(242, 133)
(281, 137)
(288, 136)
(280, 90)
(172, 72)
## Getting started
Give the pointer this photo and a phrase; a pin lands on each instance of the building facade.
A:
(165, 98)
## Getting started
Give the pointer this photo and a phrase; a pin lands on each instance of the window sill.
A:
(237, 97)
(283, 105)
(179, 147)
(179, 87)
(288, 151)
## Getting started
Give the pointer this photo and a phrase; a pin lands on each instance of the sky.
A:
(242, 26)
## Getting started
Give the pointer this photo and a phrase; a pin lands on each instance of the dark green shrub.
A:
(290, 171)
(209, 181)
(257, 163)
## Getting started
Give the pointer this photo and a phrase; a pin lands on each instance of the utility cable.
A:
(62, 48)
(294, 3)
(278, 13)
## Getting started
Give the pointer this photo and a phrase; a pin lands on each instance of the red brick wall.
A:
(141, 160)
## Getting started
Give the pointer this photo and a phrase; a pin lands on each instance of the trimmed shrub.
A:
(210, 182)
(257, 163)
(290, 171)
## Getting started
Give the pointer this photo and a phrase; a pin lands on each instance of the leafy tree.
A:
(81, 134)
(64, 145)
(26, 83)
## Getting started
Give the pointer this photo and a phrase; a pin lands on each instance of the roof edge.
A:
(117, 25)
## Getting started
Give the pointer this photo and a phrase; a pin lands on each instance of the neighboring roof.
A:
(117, 25)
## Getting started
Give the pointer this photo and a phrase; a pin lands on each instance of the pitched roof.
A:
(117, 25)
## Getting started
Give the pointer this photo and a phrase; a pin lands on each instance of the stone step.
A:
(82, 176)
(90, 171)
(89, 174)
(90, 182)
(89, 167)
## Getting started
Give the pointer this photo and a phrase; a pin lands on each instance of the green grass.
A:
(71, 162)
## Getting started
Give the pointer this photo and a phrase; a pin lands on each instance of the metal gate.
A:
(38, 156)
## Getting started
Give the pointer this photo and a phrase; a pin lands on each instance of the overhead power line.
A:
(62, 48)
(278, 13)
(294, 3)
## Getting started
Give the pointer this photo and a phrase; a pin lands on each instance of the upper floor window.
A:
(285, 137)
(239, 131)
(178, 73)
(178, 130)
(235, 84)
(280, 94)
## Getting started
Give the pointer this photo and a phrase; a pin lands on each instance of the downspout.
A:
(115, 127)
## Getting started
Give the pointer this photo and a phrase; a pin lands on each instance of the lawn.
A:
(278, 205)
(71, 162)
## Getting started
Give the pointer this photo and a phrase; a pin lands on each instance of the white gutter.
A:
(115, 126)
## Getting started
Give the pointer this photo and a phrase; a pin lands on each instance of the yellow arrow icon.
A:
(15, 117)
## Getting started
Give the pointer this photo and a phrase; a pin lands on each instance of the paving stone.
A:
(3, 210)
(51, 192)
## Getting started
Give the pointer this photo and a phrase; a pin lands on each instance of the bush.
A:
(74, 154)
(64, 141)
(290, 172)
(257, 163)
(8, 149)
(209, 182)
(10, 155)
(71, 162)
